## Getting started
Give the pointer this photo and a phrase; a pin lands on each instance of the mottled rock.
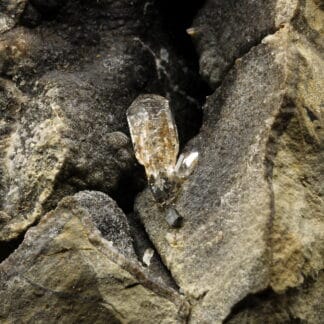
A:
(253, 209)
(108, 218)
(10, 12)
(66, 271)
(303, 304)
(66, 85)
(224, 31)
(51, 150)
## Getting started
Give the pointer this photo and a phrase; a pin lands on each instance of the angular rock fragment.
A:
(75, 74)
(65, 271)
(224, 31)
(254, 206)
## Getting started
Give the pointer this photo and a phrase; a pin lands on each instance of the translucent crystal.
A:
(186, 164)
(155, 139)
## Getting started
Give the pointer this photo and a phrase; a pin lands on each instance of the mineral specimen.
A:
(156, 144)
(173, 218)
(186, 164)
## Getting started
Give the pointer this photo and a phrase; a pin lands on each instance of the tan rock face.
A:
(65, 271)
(253, 208)
(251, 245)
(67, 79)
(297, 173)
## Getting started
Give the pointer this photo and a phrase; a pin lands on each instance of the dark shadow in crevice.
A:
(267, 306)
(130, 184)
(7, 248)
(175, 17)
(141, 243)
(251, 301)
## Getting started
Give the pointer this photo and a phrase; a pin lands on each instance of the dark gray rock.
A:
(224, 31)
(72, 77)
(108, 218)
(253, 207)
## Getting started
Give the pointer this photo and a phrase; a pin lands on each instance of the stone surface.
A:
(67, 271)
(303, 304)
(108, 218)
(145, 250)
(224, 31)
(65, 86)
(10, 12)
(253, 209)
(251, 247)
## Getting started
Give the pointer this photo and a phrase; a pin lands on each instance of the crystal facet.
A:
(156, 144)
(173, 218)
(186, 164)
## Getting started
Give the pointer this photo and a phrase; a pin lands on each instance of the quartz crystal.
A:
(186, 164)
(156, 144)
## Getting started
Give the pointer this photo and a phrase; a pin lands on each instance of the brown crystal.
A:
(155, 138)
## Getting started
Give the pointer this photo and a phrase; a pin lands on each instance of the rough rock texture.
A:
(251, 246)
(253, 210)
(68, 72)
(223, 31)
(300, 305)
(10, 12)
(66, 271)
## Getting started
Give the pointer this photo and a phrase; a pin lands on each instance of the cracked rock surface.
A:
(72, 268)
(251, 246)
(65, 85)
(253, 209)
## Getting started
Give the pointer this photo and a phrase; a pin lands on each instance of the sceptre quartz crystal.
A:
(156, 144)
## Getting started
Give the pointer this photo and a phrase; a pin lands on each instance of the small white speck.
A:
(148, 254)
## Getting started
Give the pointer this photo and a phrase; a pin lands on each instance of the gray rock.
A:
(146, 253)
(65, 271)
(108, 218)
(71, 80)
(224, 31)
(252, 209)
(10, 13)
(251, 246)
